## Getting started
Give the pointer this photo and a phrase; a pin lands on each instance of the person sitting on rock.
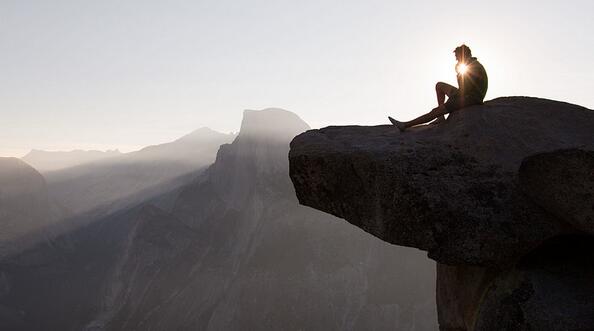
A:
(472, 88)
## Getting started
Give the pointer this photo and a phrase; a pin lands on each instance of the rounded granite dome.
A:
(272, 123)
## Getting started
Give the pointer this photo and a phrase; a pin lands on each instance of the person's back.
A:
(473, 82)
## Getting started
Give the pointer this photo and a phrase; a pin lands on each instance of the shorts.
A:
(458, 101)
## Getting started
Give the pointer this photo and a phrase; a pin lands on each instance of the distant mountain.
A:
(266, 262)
(25, 206)
(198, 147)
(230, 250)
(128, 178)
(45, 161)
(272, 124)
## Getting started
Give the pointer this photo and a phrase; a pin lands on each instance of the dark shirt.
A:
(474, 82)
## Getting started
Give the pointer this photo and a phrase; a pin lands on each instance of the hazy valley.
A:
(201, 233)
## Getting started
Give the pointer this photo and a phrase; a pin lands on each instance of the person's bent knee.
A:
(439, 86)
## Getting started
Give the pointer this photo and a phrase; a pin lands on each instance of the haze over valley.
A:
(430, 167)
(205, 233)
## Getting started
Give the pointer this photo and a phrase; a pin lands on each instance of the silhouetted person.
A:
(472, 88)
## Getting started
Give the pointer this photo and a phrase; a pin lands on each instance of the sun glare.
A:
(462, 69)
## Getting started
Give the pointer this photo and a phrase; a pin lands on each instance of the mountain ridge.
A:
(46, 161)
(114, 180)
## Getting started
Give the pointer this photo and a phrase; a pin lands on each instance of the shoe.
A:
(397, 124)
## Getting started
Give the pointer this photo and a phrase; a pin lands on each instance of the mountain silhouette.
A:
(231, 249)
(25, 205)
(45, 161)
(128, 178)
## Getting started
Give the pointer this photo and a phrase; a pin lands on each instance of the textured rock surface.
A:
(550, 289)
(563, 184)
(451, 189)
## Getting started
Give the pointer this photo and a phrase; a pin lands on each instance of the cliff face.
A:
(461, 192)
(451, 189)
(562, 183)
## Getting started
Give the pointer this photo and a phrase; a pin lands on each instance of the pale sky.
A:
(124, 74)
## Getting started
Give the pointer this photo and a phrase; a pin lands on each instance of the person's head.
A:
(462, 53)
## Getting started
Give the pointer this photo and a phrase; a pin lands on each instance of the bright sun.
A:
(462, 68)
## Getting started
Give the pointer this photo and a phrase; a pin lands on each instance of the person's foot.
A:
(397, 124)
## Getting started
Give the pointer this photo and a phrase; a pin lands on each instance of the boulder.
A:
(452, 189)
(562, 183)
(500, 195)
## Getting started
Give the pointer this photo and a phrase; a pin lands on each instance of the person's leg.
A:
(433, 114)
(442, 90)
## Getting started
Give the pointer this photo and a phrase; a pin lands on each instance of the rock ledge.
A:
(453, 189)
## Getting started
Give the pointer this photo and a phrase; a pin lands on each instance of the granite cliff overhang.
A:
(453, 189)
